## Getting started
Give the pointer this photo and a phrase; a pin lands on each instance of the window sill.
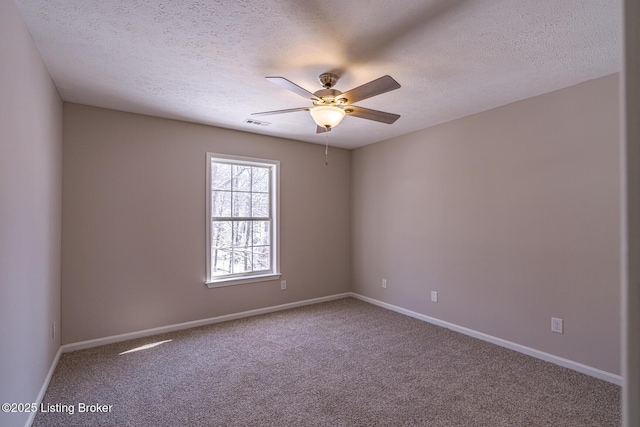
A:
(241, 280)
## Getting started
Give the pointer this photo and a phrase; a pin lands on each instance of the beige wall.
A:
(30, 209)
(512, 215)
(134, 222)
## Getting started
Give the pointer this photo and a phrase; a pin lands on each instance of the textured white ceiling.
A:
(205, 60)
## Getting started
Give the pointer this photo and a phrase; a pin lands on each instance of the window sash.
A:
(249, 247)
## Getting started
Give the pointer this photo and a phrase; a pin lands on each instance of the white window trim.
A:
(275, 244)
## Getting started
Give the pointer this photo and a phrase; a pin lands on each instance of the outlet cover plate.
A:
(557, 325)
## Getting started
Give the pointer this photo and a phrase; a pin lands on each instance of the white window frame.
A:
(249, 277)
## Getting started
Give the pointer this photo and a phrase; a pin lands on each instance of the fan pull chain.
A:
(326, 146)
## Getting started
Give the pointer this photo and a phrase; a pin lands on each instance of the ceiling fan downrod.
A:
(328, 80)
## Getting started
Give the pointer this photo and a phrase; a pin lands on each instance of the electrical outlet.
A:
(53, 332)
(434, 296)
(557, 325)
(283, 285)
(384, 283)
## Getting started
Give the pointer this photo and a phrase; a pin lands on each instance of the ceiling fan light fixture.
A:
(327, 115)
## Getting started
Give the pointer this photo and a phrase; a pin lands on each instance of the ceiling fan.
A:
(330, 106)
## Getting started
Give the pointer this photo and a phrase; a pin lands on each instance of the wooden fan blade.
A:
(367, 90)
(320, 129)
(290, 110)
(289, 85)
(375, 115)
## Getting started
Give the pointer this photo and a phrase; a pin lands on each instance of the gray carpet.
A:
(341, 363)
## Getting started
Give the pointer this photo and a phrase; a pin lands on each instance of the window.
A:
(242, 226)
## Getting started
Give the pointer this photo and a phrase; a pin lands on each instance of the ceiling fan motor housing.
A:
(328, 96)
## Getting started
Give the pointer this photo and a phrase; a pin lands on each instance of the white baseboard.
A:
(193, 324)
(45, 385)
(594, 372)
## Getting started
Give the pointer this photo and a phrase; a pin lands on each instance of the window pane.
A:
(260, 180)
(241, 204)
(241, 178)
(260, 205)
(220, 176)
(221, 234)
(242, 260)
(220, 262)
(261, 233)
(261, 258)
(221, 204)
(241, 234)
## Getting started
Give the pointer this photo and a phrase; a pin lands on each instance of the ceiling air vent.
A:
(256, 122)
